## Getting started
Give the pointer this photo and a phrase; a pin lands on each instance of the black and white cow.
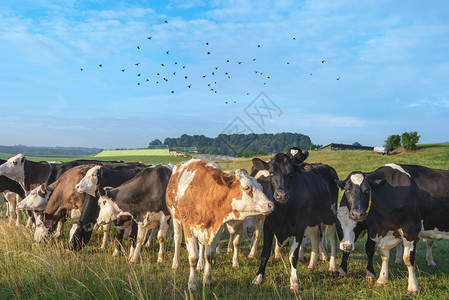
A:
(142, 198)
(302, 199)
(398, 203)
(101, 177)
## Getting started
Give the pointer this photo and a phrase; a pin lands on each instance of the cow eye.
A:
(104, 202)
(14, 163)
(247, 187)
(94, 174)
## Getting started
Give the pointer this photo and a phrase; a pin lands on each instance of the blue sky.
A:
(391, 58)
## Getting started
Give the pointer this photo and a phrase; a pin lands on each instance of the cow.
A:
(12, 191)
(62, 201)
(303, 198)
(142, 198)
(201, 199)
(101, 177)
(399, 203)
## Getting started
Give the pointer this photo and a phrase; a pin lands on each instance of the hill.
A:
(48, 151)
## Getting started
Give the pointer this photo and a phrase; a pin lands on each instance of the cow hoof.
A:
(115, 253)
(160, 258)
(192, 287)
(381, 282)
(333, 273)
(175, 266)
(236, 266)
(251, 256)
(413, 292)
(369, 276)
(257, 281)
(311, 266)
(277, 257)
(229, 251)
(199, 269)
(341, 272)
(294, 287)
(433, 264)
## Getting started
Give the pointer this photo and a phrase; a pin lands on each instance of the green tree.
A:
(393, 142)
(357, 144)
(155, 142)
(409, 140)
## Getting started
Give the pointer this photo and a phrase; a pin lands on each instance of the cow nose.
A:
(270, 205)
(280, 195)
(358, 215)
(77, 186)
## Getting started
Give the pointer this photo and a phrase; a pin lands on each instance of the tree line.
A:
(239, 144)
(48, 151)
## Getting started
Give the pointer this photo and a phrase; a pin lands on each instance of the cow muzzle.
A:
(357, 215)
(281, 197)
(347, 246)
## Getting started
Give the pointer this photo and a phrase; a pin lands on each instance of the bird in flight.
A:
(138, 47)
(137, 64)
(166, 21)
(294, 39)
(338, 78)
(207, 44)
(254, 59)
(240, 62)
(123, 70)
(183, 67)
(162, 64)
(323, 61)
(189, 86)
(208, 52)
(138, 74)
(81, 69)
(167, 51)
(227, 60)
(258, 46)
(185, 77)
(172, 92)
(149, 37)
(100, 65)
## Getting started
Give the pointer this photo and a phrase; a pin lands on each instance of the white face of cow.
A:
(36, 200)
(347, 225)
(109, 211)
(89, 182)
(14, 168)
(253, 202)
(41, 231)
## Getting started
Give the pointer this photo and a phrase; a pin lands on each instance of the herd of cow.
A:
(393, 204)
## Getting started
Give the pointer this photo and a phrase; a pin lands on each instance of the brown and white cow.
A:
(63, 201)
(201, 199)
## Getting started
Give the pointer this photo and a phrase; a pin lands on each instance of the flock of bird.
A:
(163, 76)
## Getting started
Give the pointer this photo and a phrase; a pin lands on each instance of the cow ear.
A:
(100, 191)
(340, 183)
(376, 183)
(43, 188)
(23, 159)
(100, 172)
(259, 164)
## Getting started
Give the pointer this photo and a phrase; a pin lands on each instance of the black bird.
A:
(235, 101)
(254, 59)
(288, 63)
(189, 86)
(147, 79)
(264, 83)
(207, 43)
(240, 62)
(310, 73)
(323, 61)
(176, 62)
(256, 72)
(215, 82)
(149, 37)
(183, 67)
(138, 74)
(167, 51)
(165, 79)
(226, 102)
(226, 73)
(158, 74)
(208, 84)
(81, 69)
(157, 82)
(216, 68)
(204, 76)
(137, 64)
(294, 39)
(338, 78)
(258, 46)
(227, 60)
(208, 52)
(261, 73)
(172, 92)
(185, 77)
(123, 70)
(138, 83)
(166, 22)
(162, 64)
(174, 73)
(100, 65)
(138, 47)
(213, 73)
(247, 94)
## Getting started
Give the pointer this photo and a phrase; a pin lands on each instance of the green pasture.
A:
(49, 271)
(134, 152)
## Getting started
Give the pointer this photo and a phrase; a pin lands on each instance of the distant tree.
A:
(314, 147)
(393, 142)
(156, 142)
(261, 152)
(409, 140)
(357, 144)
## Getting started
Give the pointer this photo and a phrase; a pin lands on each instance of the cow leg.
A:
(151, 237)
(192, 248)
(314, 237)
(322, 242)
(398, 258)
(293, 258)
(301, 249)
(118, 242)
(409, 261)
(333, 243)
(162, 235)
(60, 228)
(429, 256)
(133, 237)
(141, 231)
(177, 238)
(210, 256)
(200, 264)
(277, 249)
(254, 240)
(106, 230)
(383, 276)
(343, 270)
(266, 251)
(370, 246)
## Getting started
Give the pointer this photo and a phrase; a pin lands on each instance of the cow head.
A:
(14, 168)
(89, 182)
(357, 188)
(109, 210)
(280, 170)
(37, 200)
(254, 201)
(347, 226)
(41, 231)
(297, 156)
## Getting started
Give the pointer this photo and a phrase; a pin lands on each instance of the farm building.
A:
(134, 152)
(334, 146)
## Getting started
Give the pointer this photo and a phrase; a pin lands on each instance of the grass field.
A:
(49, 271)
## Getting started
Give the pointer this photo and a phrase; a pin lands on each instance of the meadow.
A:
(49, 271)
